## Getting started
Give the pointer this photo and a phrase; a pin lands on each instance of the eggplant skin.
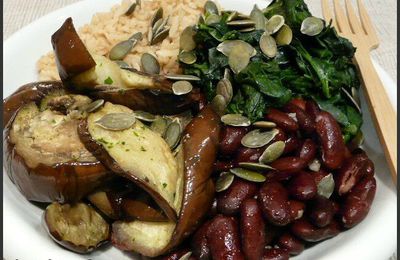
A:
(66, 182)
(200, 140)
(72, 57)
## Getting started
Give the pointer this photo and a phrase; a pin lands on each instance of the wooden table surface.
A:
(18, 13)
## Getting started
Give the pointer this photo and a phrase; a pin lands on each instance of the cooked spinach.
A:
(316, 67)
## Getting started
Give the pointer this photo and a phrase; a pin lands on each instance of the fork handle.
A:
(383, 114)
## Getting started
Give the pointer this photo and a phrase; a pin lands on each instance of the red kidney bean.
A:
(292, 245)
(310, 233)
(229, 201)
(223, 166)
(273, 199)
(321, 211)
(292, 143)
(248, 154)
(230, 139)
(275, 254)
(296, 209)
(350, 173)
(289, 164)
(252, 230)
(282, 120)
(223, 239)
(305, 122)
(302, 186)
(301, 103)
(358, 202)
(176, 255)
(281, 136)
(312, 108)
(199, 243)
(369, 169)
(278, 176)
(319, 175)
(272, 232)
(347, 153)
(308, 151)
(331, 139)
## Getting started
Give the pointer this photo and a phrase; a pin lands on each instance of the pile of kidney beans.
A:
(285, 214)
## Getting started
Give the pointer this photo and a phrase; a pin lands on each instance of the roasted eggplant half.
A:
(180, 184)
(77, 227)
(43, 154)
(100, 77)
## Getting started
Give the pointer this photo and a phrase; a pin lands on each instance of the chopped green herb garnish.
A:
(101, 140)
(164, 185)
(146, 179)
(143, 149)
(127, 150)
(108, 81)
(123, 143)
(135, 133)
(121, 91)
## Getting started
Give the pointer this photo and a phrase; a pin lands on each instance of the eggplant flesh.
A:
(138, 154)
(49, 137)
(77, 227)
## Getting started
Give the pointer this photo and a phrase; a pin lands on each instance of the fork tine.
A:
(353, 19)
(327, 13)
(367, 25)
(341, 18)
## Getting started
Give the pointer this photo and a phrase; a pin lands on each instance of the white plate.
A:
(24, 237)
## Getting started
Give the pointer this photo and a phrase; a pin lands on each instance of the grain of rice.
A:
(108, 28)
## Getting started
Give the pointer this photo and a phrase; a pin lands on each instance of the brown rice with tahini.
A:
(109, 28)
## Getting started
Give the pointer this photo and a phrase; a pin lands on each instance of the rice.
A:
(108, 28)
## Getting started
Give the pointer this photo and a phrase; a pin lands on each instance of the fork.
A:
(364, 38)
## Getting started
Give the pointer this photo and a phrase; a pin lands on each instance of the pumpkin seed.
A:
(352, 100)
(250, 29)
(232, 16)
(160, 36)
(355, 95)
(181, 87)
(274, 24)
(162, 26)
(272, 152)
(211, 8)
(315, 165)
(219, 104)
(241, 23)
(156, 16)
(93, 106)
(257, 139)
(120, 50)
(186, 256)
(137, 36)
(326, 186)
(186, 41)
(131, 9)
(312, 26)
(258, 18)
(268, 45)
(182, 77)
(157, 26)
(248, 175)
(212, 19)
(238, 59)
(241, 16)
(144, 116)
(284, 36)
(122, 64)
(264, 124)
(256, 166)
(159, 125)
(149, 64)
(201, 19)
(235, 120)
(227, 46)
(187, 57)
(224, 88)
(173, 134)
(117, 121)
(150, 36)
(224, 181)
